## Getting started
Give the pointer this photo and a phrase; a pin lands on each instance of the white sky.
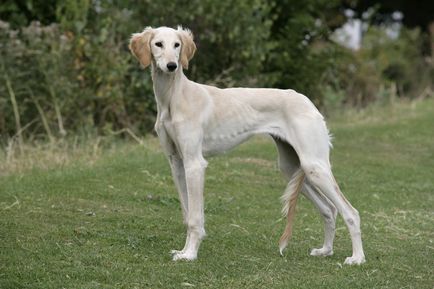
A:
(350, 34)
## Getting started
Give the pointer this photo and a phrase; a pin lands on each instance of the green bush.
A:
(81, 75)
(66, 67)
(301, 52)
(383, 69)
(35, 63)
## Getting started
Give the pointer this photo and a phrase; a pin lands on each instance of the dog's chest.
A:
(164, 127)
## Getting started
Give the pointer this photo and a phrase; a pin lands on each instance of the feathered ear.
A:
(140, 46)
(188, 47)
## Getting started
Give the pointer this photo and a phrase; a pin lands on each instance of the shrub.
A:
(66, 67)
(35, 63)
(381, 70)
(78, 74)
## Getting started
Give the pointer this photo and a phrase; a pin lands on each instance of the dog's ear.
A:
(140, 46)
(188, 47)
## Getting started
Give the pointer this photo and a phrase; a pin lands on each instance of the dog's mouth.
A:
(167, 67)
(166, 70)
(172, 67)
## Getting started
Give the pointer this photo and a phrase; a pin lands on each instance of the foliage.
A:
(301, 52)
(81, 74)
(417, 14)
(65, 65)
(382, 69)
(34, 60)
(227, 54)
(21, 12)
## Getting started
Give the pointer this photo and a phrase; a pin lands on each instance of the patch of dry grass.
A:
(16, 158)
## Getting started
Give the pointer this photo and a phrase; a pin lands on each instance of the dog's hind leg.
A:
(319, 174)
(311, 142)
(288, 159)
(328, 212)
(288, 164)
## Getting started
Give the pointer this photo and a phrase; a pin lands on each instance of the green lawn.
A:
(112, 223)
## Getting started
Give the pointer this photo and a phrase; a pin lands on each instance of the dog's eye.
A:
(176, 44)
(159, 44)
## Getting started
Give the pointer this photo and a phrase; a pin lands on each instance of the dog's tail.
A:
(289, 200)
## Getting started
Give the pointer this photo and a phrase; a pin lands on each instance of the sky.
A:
(350, 34)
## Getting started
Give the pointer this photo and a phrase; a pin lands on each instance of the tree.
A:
(21, 12)
(301, 51)
(416, 14)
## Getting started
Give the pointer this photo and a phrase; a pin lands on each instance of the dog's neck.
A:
(166, 85)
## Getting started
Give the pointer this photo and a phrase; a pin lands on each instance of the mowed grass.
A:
(112, 223)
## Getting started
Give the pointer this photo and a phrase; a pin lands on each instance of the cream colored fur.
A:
(196, 120)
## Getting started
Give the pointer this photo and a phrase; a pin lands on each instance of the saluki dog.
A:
(196, 120)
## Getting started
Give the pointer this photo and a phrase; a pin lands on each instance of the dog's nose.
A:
(171, 66)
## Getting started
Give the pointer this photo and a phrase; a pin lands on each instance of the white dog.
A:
(195, 120)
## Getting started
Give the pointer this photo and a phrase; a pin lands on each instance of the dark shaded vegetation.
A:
(65, 67)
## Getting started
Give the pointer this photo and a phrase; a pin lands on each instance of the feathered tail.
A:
(289, 200)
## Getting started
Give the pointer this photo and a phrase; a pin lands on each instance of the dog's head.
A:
(166, 48)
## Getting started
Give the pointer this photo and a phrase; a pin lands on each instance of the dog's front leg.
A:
(195, 178)
(178, 173)
(189, 143)
(176, 166)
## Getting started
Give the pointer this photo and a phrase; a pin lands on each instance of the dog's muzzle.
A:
(171, 66)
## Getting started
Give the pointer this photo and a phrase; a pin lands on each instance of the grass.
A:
(111, 222)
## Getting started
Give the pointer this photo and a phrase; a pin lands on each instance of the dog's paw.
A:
(181, 255)
(355, 260)
(322, 252)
